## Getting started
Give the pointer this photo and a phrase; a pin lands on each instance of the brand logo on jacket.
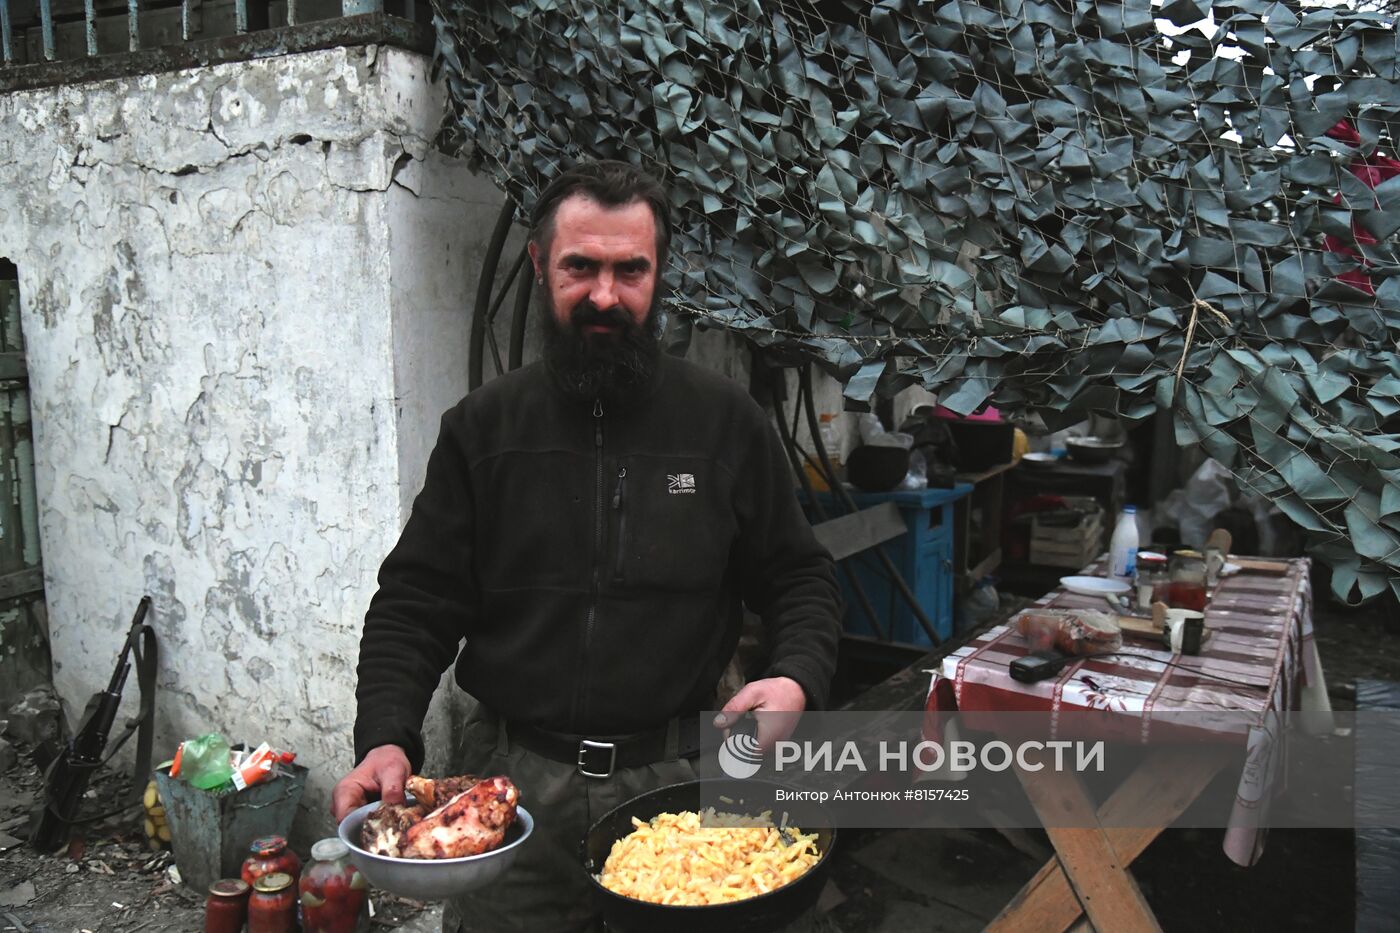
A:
(680, 484)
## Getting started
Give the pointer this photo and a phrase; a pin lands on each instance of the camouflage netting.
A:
(1057, 206)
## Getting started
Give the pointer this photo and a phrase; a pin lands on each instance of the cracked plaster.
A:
(242, 332)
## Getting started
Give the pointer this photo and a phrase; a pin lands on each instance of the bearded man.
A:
(590, 526)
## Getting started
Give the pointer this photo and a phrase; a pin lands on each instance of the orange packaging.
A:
(259, 765)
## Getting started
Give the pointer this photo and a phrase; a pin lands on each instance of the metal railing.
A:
(37, 32)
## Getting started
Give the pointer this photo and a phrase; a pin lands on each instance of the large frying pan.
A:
(771, 911)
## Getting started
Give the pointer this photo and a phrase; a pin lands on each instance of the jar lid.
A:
(268, 845)
(229, 887)
(1151, 557)
(271, 884)
(1189, 554)
(328, 850)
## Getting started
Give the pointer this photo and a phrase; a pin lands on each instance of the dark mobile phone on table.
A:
(1038, 666)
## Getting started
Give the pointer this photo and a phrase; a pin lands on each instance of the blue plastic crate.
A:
(923, 555)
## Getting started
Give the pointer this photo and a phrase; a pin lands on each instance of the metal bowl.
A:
(1093, 450)
(433, 879)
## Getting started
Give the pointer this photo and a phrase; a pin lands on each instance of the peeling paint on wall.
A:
(239, 348)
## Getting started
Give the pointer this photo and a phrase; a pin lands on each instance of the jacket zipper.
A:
(621, 524)
(597, 548)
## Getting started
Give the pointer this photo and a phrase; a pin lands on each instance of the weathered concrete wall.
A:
(244, 292)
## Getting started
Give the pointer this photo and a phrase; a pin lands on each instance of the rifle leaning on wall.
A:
(66, 779)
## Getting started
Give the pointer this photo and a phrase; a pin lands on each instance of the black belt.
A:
(599, 756)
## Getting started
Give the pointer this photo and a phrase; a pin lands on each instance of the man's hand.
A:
(382, 772)
(780, 699)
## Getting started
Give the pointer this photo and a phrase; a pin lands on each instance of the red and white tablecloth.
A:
(1261, 637)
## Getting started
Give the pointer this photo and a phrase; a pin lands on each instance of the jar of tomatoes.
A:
(226, 909)
(272, 908)
(1187, 589)
(267, 855)
(334, 895)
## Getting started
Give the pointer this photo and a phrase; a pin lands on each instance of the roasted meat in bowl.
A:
(448, 818)
(451, 835)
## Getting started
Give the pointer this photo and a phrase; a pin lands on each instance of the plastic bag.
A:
(1078, 633)
(1193, 508)
(935, 442)
(980, 606)
(204, 762)
(873, 434)
(917, 477)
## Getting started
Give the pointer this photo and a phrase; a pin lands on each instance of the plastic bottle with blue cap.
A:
(1122, 551)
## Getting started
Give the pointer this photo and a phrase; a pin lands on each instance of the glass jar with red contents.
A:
(272, 907)
(1187, 589)
(270, 854)
(334, 895)
(226, 909)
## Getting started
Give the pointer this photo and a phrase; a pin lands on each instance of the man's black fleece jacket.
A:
(594, 558)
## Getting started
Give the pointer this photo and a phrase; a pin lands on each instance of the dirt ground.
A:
(881, 881)
(110, 881)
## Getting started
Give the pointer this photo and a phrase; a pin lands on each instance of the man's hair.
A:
(611, 184)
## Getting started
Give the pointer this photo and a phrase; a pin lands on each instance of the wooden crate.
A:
(1054, 544)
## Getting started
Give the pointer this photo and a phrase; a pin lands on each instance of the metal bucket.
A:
(210, 832)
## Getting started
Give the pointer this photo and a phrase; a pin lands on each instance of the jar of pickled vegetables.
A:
(1187, 589)
(270, 854)
(334, 895)
(226, 909)
(272, 908)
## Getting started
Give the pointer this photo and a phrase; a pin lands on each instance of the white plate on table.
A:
(1095, 586)
(1035, 458)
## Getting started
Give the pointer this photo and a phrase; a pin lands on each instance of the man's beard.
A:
(615, 365)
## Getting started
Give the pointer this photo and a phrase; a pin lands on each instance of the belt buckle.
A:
(583, 749)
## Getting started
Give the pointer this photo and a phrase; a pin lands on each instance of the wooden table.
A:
(1261, 634)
